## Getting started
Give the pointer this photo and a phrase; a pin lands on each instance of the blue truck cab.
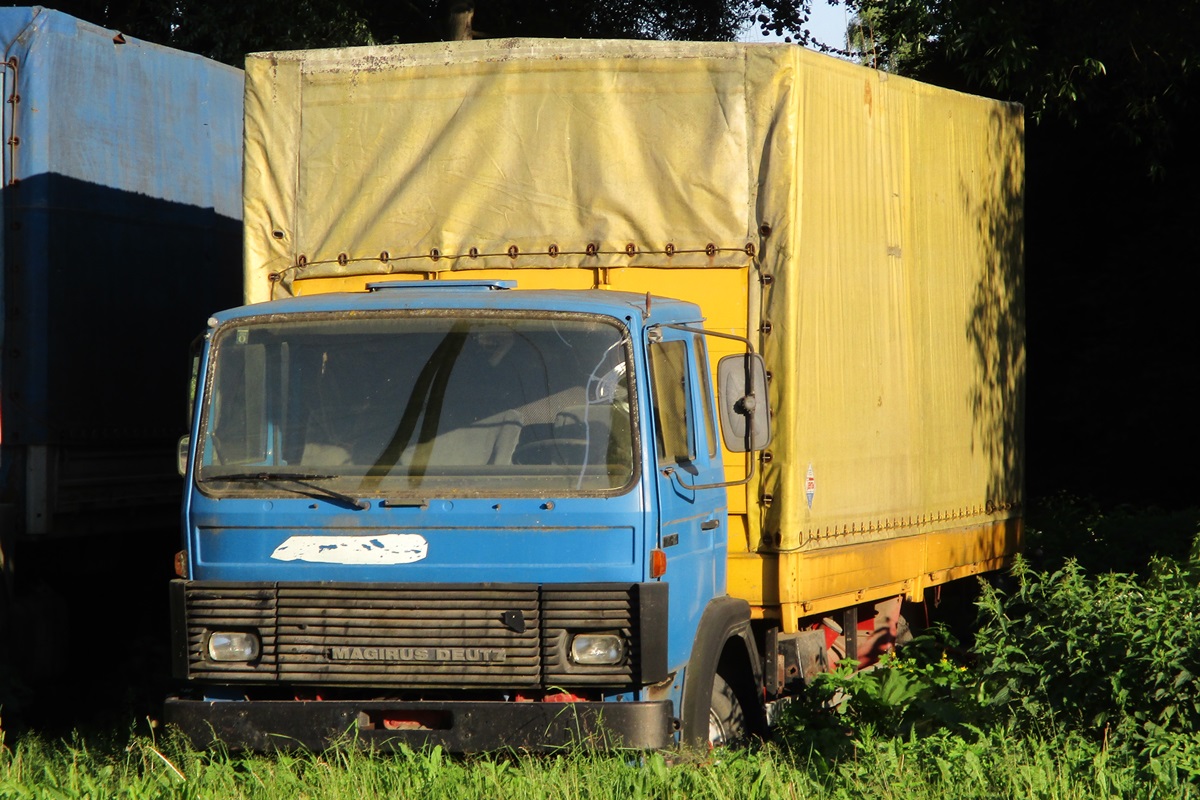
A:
(458, 513)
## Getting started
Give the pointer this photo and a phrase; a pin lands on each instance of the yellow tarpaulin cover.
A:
(876, 222)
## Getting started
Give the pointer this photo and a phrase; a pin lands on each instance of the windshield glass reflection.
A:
(421, 403)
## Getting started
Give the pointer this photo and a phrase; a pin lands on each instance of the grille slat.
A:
(410, 681)
(416, 627)
(406, 604)
(579, 619)
(484, 621)
(378, 638)
(305, 656)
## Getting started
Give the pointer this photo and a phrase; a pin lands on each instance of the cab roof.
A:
(492, 295)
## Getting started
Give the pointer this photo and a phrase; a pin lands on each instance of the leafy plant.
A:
(1113, 656)
(922, 690)
(1121, 539)
(1107, 662)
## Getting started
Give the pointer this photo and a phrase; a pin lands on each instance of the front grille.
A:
(229, 607)
(411, 634)
(502, 636)
(567, 610)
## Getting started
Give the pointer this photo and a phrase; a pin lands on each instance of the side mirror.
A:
(182, 453)
(745, 412)
(194, 382)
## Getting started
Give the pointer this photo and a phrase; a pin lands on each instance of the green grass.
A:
(1083, 682)
(997, 766)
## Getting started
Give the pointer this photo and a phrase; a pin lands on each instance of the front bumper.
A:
(459, 726)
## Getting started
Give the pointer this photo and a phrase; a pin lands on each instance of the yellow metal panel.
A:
(526, 279)
(852, 570)
(804, 583)
(722, 290)
(754, 577)
(952, 553)
(722, 297)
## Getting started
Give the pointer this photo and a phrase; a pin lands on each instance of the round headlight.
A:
(233, 646)
(598, 648)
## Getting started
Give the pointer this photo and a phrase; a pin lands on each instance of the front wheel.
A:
(726, 717)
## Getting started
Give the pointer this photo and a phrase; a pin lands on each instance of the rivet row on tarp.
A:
(591, 250)
(948, 515)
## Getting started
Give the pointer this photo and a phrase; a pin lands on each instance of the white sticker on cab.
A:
(388, 548)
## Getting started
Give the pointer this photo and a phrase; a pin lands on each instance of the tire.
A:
(726, 717)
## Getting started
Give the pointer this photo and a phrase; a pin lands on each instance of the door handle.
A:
(710, 524)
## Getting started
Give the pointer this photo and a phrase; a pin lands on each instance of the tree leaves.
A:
(228, 30)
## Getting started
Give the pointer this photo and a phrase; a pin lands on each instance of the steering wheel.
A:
(558, 452)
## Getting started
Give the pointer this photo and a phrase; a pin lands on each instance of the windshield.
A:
(420, 403)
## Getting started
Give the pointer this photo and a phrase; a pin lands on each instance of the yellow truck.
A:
(819, 261)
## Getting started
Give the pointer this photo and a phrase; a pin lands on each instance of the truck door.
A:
(691, 521)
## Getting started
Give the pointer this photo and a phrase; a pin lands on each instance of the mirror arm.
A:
(706, 332)
(691, 487)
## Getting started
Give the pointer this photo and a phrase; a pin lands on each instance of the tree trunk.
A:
(458, 22)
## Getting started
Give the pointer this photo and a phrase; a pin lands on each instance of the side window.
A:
(669, 378)
(706, 405)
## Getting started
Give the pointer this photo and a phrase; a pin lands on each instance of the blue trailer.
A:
(121, 209)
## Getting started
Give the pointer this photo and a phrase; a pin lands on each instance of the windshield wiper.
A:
(300, 478)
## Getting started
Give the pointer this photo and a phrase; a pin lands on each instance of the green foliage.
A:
(14, 695)
(227, 30)
(1127, 68)
(1124, 539)
(1113, 657)
(936, 766)
(926, 689)
(895, 36)
(144, 769)
(1106, 665)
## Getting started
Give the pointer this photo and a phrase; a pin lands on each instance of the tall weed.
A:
(1114, 657)
(921, 691)
(1124, 538)
(1106, 662)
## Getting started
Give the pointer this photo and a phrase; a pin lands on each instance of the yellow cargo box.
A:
(864, 229)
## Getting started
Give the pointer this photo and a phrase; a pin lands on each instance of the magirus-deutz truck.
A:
(592, 390)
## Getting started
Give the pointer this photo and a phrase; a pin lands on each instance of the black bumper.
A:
(459, 727)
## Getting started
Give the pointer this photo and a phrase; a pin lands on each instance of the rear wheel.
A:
(726, 717)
